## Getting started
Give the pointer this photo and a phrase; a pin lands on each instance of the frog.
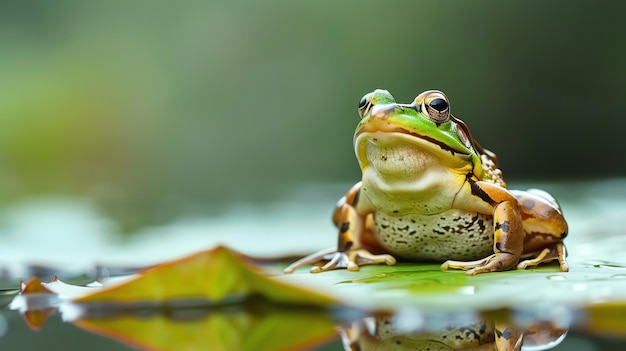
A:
(430, 192)
(392, 332)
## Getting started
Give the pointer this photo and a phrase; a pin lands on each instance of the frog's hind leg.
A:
(545, 229)
(548, 254)
(544, 195)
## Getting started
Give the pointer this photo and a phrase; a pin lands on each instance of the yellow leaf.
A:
(214, 275)
(36, 317)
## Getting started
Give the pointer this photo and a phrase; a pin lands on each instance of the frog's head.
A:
(404, 141)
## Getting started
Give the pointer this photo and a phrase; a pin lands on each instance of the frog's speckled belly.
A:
(454, 235)
(454, 336)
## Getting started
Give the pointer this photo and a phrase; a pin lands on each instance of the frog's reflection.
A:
(387, 333)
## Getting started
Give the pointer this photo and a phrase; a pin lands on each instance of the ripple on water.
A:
(606, 264)
(556, 277)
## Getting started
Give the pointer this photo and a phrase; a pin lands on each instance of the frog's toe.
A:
(335, 260)
(535, 262)
(496, 263)
(310, 259)
(365, 257)
(330, 259)
(465, 265)
(556, 252)
(564, 266)
(493, 263)
(352, 259)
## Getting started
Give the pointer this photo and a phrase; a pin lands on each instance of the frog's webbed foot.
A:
(497, 262)
(333, 259)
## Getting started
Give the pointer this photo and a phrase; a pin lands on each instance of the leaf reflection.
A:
(254, 325)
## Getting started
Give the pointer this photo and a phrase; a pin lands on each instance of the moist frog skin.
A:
(430, 192)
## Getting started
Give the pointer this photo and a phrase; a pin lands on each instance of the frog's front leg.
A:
(508, 232)
(350, 251)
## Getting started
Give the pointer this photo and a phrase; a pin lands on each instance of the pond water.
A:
(274, 327)
(70, 239)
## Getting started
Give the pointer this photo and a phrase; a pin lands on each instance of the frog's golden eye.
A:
(365, 105)
(439, 104)
(434, 104)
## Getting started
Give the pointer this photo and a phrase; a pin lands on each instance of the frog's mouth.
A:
(404, 154)
(382, 126)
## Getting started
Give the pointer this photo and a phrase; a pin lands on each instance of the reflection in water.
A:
(253, 324)
(393, 333)
(4, 326)
(257, 324)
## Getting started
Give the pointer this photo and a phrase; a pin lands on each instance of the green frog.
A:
(430, 191)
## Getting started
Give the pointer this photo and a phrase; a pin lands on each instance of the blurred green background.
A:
(161, 109)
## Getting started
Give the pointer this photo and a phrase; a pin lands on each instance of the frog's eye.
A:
(365, 105)
(439, 104)
(435, 105)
